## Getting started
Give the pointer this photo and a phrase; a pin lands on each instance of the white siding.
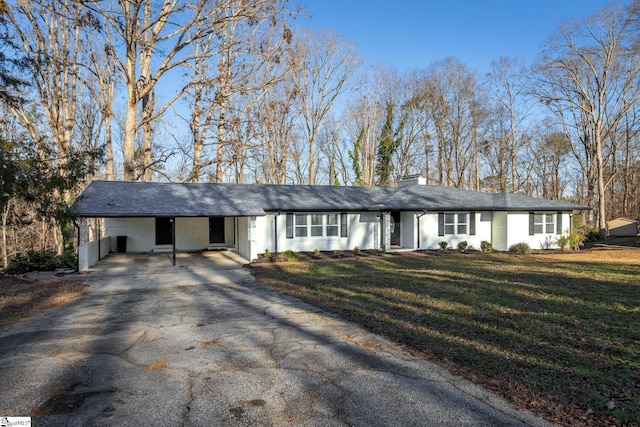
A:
(429, 238)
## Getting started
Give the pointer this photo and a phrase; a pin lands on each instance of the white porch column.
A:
(386, 229)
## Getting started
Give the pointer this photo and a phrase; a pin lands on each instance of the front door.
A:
(395, 228)
(216, 229)
(164, 231)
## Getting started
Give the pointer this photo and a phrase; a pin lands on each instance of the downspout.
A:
(275, 228)
(78, 251)
(424, 212)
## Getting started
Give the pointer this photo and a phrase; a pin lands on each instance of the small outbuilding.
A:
(623, 227)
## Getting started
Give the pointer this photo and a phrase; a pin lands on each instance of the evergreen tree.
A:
(390, 140)
(354, 155)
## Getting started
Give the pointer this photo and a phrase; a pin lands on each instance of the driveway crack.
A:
(190, 398)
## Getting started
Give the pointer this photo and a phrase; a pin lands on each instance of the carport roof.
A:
(143, 199)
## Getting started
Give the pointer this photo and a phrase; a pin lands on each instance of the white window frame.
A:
(315, 222)
(334, 227)
(301, 229)
(453, 226)
(543, 222)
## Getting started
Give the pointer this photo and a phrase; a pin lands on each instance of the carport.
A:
(146, 218)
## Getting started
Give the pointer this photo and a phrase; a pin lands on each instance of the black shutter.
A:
(440, 224)
(559, 223)
(343, 225)
(472, 224)
(289, 226)
(531, 224)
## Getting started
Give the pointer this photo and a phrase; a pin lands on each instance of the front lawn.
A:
(557, 335)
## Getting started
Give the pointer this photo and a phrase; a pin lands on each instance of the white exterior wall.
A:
(408, 230)
(499, 231)
(243, 244)
(518, 229)
(91, 252)
(140, 232)
(429, 238)
(361, 232)
(192, 234)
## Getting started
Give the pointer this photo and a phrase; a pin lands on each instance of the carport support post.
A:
(173, 238)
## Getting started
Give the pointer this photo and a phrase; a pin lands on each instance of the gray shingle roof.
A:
(138, 199)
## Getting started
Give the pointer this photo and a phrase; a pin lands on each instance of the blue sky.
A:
(410, 34)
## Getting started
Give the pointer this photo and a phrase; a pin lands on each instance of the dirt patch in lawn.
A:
(20, 299)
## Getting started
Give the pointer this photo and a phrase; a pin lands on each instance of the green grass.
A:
(561, 339)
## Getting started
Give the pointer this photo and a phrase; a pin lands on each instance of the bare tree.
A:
(322, 64)
(588, 77)
(158, 38)
(451, 98)
(50, 37)
(512, 106)
(274, 119)
(232, 68)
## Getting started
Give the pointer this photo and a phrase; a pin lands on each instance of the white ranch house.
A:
(252, 218)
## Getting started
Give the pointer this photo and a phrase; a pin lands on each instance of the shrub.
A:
(520, 248)
(462, 246)
(384, 249)
(40, 261)
(592, 236)
(316, 252)
(575, 240)
(562, 242)
(443, 245)
(291, 255)
(486, 246)
(266, 253)
(356, 249)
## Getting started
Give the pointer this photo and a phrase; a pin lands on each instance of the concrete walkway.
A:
(203, 344)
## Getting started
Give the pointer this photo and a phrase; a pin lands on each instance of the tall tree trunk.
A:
(109, 147)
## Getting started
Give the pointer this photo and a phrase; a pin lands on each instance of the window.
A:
(332, 225)
(301, 226)
(549, 225)
(462, 223)
(449, 224)
(316, 225)
(538, 224)
(542, 223)
(453, 223)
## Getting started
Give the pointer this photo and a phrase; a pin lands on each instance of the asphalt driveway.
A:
(203, 344)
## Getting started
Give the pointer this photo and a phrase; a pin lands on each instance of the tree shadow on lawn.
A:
(563, 333)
